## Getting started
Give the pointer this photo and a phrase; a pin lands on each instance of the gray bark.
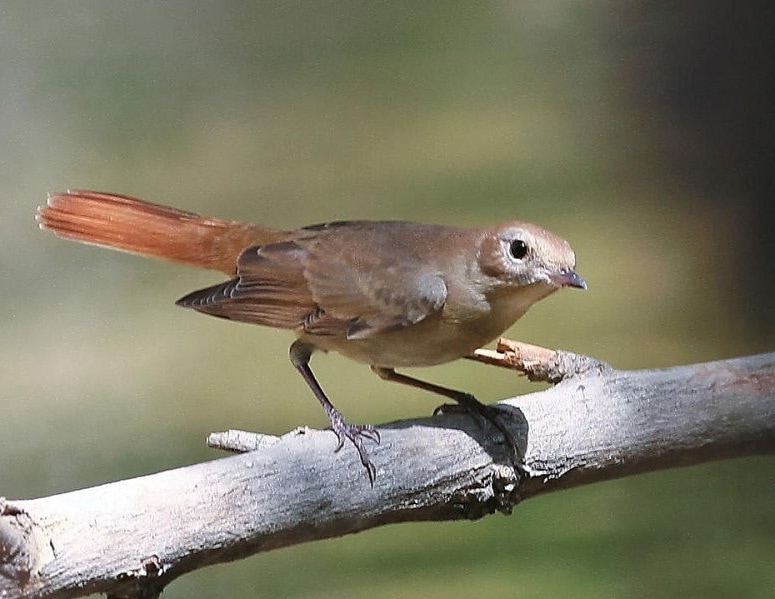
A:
(131, 538)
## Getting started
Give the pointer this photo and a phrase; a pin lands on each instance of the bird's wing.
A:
(335, 279)
(269, 289)
(369, 276)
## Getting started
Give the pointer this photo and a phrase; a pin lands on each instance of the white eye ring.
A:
(518, 249)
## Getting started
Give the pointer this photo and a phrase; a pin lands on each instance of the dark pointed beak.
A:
(568, 278)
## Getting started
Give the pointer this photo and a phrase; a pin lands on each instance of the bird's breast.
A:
(463, 325)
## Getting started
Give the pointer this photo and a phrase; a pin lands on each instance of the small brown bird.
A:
(389, 294)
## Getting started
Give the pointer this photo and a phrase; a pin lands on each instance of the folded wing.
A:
(330, 280)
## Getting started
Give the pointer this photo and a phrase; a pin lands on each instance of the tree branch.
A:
(596, 424)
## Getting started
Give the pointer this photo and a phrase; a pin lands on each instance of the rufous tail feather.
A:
(139, 227)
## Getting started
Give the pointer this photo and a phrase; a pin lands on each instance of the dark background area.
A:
(639, 131)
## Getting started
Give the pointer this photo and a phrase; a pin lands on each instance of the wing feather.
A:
(346, 278)
(376, 282)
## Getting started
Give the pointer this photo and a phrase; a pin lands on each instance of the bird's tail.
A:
(139, 227)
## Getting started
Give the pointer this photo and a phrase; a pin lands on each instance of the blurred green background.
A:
(641, 132)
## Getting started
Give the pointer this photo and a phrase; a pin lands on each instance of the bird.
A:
(389, 294)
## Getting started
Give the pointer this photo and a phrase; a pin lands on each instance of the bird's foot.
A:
(355, 434)
(483, 415)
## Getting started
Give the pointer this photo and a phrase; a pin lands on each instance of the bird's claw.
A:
(484, 414)
(355, 433)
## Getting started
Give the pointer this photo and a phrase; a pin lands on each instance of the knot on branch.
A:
(23, 548)
(493, 489)
(145, 581)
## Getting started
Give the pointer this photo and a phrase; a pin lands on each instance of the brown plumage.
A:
(389, 294)
(132, 225)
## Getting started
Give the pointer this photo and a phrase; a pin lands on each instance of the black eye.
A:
(518, 249)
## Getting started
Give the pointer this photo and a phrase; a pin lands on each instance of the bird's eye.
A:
(518, 249)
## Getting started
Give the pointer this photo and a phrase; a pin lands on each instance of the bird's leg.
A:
(300, 354)
(465, 401)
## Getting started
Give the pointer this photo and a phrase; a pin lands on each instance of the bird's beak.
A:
(567, 278)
